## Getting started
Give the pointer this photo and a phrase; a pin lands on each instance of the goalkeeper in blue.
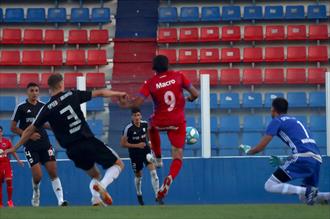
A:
(304, 163)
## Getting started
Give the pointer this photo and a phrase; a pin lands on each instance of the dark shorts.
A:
(138, 160)
(86, 152)
(40, 156)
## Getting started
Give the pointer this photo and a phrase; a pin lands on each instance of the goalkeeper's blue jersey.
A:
(293, 133)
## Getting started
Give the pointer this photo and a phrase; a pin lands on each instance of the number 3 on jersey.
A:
(169, 99)
(76, 124)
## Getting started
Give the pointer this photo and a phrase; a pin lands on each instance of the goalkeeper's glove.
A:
(245, 148)
(276, 161)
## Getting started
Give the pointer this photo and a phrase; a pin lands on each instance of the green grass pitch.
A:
(278, 211)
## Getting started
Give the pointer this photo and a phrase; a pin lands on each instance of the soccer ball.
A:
(192, 135)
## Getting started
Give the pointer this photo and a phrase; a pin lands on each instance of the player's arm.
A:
(15, 129)
(108, 93)
(18, 160)
(125, 144)
(261, 146)
(194, 93)
(131, 103)
(27, 133)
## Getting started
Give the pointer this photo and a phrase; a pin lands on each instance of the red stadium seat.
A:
(318, 53)
(274, 76)
(274, 54)
(31, 57)
(191, 75)
(318, 32)
(209, 55)
(75, 57)
(70, 79)
(296, 54)
(11, 57)
(189, 34)
(26, 78)
(210, 34)
(95, 80)
(316, 75)
(44, 80)
(230, 76)
(296, 76)
(252, 76)
(8, 80)
(33, 36)
(128, 72)
(252, 54)
(167, 35)
(231, 33)
(53, 58)
(99, 36)
(230, 55)
(78, 37)
(275, 32)
(188, 56)
(134, 51)
(296, 32)
(97, 57)
(170, 53)
(253, 33)
(11, 36)
(54, 37)
(213, 75)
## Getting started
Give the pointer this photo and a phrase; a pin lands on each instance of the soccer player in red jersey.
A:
(6, 173)
(166, 89)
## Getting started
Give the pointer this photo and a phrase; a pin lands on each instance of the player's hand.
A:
(123, 100)
(276, 161)
(245, 148)
(188, 98)
(20, 163)
(35, 136)
(8, 151)
(141, 145)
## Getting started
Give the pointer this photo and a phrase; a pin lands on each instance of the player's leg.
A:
(154, 178)
(137, 166)
(33, 161)
(155, 145)
(9, 183)
(95, 175)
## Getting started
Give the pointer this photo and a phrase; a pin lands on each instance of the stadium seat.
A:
(95, 80)
(294, 12)
(188, 56)
(189, 14)
(316, 12)
(213, 101)
(229, 101)
(274, 12)
(302, 119)
(317, 123)
(213, 75)
(231, 33)
(75, 57)
(190, 105)
(209, 55)
(5, 123)
(97, 57)
(11, 36)
(230, 55)
(252, 76)
(253, 123)
(316, 75)
(253, 33)
(274, 54)
(167, 14)
(33, 36)
(31, 57)
(252, 54)
(209, 34)
(1, 15)
(229, 124)
(318, 54)
(296, 54)
(99, 36)
(70, 79)
(10, 57)
(274, 76)
(191, 121)
(79, 15)
(252, 100)
(78, 37)
(275, 32)
(56, 15)
(296, 75)
(26, 78)
(252, 13)
(228, 140)
(192, 75)
(296, 32)
(96, 126)
(7, 103)
(170, 53)
(189, 34)
(252, 138)
(276, 143)
(45, 99)
(269, 97)
(36, 15)
(8, 80)
(210, 14)
(317, 99)
(297, 99)
(320, 138)
(167, 35)
(52, 58)
(14, 15)
(44, 79)
(101, 15)
(54, 37)
(230, 76)
(231, 13)
(318, 32)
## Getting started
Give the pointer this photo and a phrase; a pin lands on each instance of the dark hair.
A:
(280, 105)
(135, 110)
(31, 84)
(54, 79)
(160, 64)
(1, 128)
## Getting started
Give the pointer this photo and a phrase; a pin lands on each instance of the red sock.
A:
(175, 168)
(10, 189)
(155, 142)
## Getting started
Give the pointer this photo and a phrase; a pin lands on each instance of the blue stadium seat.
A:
(79, 15)
(231, 13)
(320, 138)
(56, 15)
(297, 99)
(14, 15)
(269, 97)
(276, 143)
(213, 101)
(294, 12)
(190, 105)
(1, 15)
(317, 123)
(15, 139)
(252, 13)
(302, 119)
(53, 141)
(228, 140)
(5, 123)
(21, 99)
(213, 140)
(191, 121)
(101, 15)
(316, 12)
(7, 103)
(61, 155)
(229, 124)
(273, 12)
(44, 99)
(253, 123)
(96, 104)
(214, 123)
(210, 14)
(229, 101)
(252, 138)
(277, 151)
(317, 99)
(168, 14)
(36, 15)
(230, 152)
(164, 142)
(189, 14)
(96, 126)
(252, 100)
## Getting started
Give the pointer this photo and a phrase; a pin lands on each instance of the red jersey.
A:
(4, 145)
(166, 90)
